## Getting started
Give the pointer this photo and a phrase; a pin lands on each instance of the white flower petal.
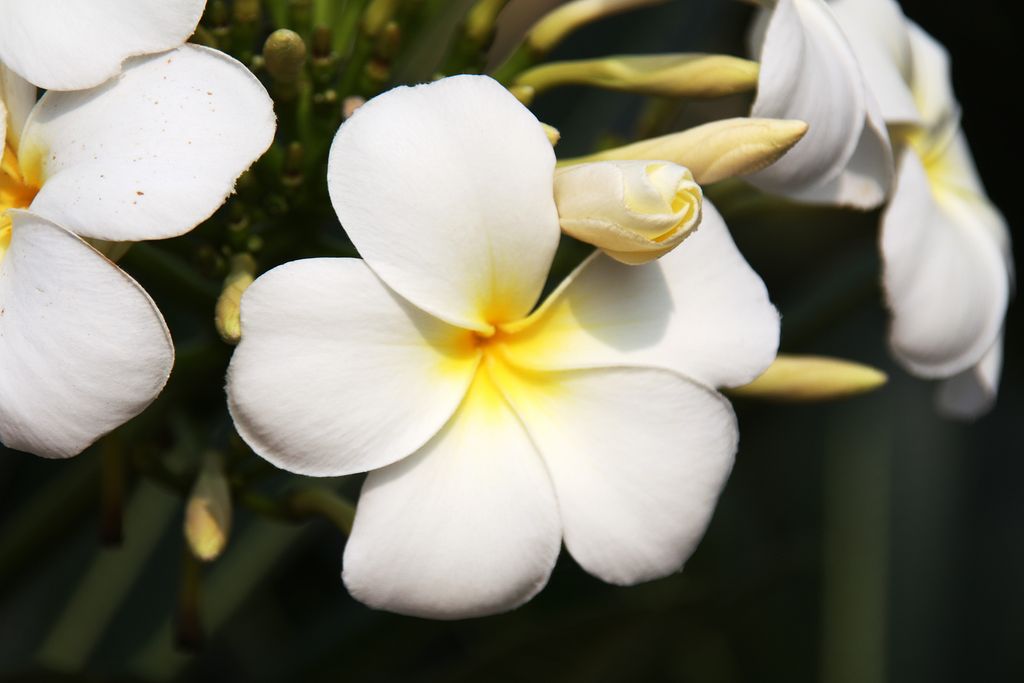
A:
(972, 393)
(865, 181)
(932, 86)
(17, 97)
(956, 172)
(446, 190)
(151, 154)
(877, 30)
(809, 72)
(60, 45)
(336, 374)
(638, 458)
(700, 310)
(82, 347)
(945, 278)
(467, 526)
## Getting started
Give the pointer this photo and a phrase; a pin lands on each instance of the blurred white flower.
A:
(491, 432)
(948, 269)
(61, 45)
(945, 247)
(148, 155)
(810, 72)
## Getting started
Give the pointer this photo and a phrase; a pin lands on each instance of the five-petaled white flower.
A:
(492, 432)
(945, 247)
(61, 45)
(149, 154)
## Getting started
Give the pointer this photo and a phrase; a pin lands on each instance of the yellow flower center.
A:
(15, 193)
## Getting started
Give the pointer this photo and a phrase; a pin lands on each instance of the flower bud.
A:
(671, 75)
(227, 314)
(812, 378)
(285, 55)
(562, 21)
(717, 150)
(635, 211)
(208, 511)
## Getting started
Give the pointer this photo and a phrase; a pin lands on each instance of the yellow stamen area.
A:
(500, 383)
(15, 193)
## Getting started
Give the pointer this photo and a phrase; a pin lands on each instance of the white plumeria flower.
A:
(492, 433)
(148, 155)
(945, 248)
(61, 45)
(809, 71)
(948, 267)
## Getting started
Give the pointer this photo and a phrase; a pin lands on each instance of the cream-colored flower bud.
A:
(635, 211)
(208, 511)
(227, 313)
(560, 22)
(812, 378)
(671, 75)
(714, 151)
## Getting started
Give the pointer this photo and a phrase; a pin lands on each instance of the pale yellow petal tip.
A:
(553, 134)
(789, 131)
(812, 378)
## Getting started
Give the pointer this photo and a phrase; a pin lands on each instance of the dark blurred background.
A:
(864, 540)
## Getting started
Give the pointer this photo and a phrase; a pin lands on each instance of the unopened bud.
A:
(676, 75)
(481, 18)
(377, 15)
(247, 11)
(559, 23)
(208, 511)
(717, 150)
(812, 378)
(284, 55)
(635, 211)
(227, 315)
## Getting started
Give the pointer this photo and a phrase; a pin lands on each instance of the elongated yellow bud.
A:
(714, 151)
(675, 75)
(635, 211)
(480, 19)
(208, 511)
(812, 378)
(227, 316)
(559, 23)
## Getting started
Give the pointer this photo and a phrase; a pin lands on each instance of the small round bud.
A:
(284, 55)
